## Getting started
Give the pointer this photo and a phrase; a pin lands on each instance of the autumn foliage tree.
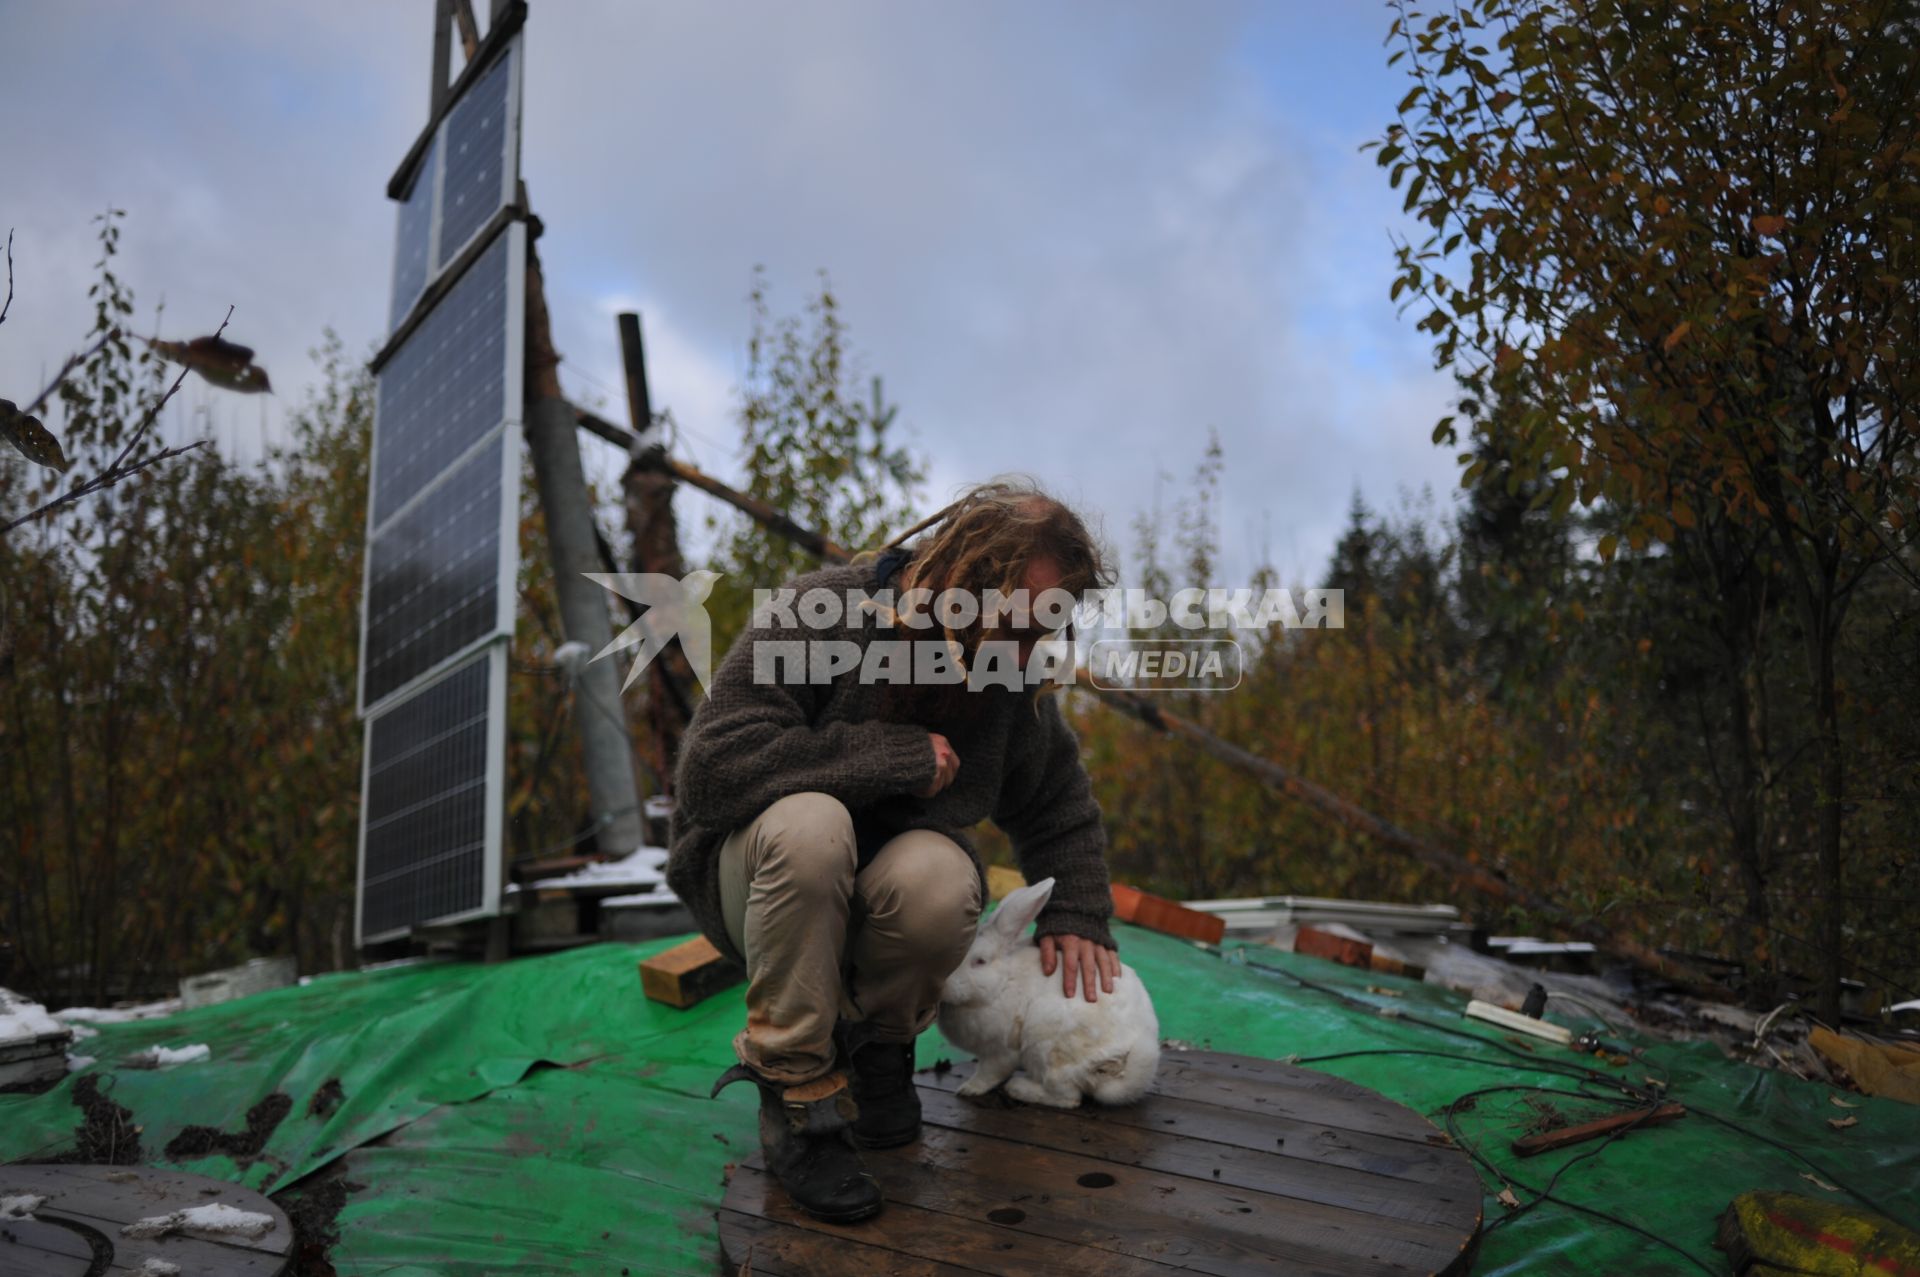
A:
(816, 443)
(179, 754)
(1689, 229)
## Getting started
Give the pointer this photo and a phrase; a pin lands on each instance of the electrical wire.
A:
(1598, 1013)
(1545, 1194)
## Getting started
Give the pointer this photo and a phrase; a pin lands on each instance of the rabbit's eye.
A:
(979, 962)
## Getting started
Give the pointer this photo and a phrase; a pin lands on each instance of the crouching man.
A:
(819, 834)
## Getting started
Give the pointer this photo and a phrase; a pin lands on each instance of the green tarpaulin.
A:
(540, 1116)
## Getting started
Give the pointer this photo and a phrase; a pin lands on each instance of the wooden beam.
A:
(444, 282)
(1566, 1136)
(1349, 952)
(647, 489)
(606, 745)
(633, 355)
(1130, 904)
(469, 29)
(442, 57)
(806, 538)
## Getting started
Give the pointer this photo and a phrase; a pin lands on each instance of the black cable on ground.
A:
(1546, 1194)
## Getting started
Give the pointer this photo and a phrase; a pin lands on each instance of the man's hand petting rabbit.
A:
(1080, 959)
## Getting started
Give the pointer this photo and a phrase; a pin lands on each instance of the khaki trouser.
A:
(822, 941)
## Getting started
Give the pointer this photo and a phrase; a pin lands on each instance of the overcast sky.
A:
(1072, 236)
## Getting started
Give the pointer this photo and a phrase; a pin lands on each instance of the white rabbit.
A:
(999, 1005)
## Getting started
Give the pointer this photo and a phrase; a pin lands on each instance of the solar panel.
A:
(442, 523)
(430, 809)
(413, 240)
(476, 138)
(434, 586)
(452, 380)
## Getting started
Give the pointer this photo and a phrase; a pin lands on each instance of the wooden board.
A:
(1130, 904)
(87, 1206)
(1230, 1165)
(1336, 948)
(687, 973)
(1568, 1136)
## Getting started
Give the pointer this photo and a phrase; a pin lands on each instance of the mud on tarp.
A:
(467, 1156)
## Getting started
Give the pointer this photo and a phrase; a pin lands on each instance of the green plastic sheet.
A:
(540, 1116)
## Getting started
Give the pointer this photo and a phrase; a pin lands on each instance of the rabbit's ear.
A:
(1017, 912)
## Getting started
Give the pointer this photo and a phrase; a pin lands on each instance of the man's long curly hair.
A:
(988, 539)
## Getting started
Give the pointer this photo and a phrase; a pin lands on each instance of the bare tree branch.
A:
(9, 302)
(118, 469)
(66, 370)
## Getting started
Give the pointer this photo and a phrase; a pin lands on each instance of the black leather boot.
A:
(806, 1138)
(882, 1078)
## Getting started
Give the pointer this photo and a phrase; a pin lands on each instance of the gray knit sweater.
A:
(751, 744)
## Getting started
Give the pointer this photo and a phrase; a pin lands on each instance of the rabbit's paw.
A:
(984, 1079)
(1029, 1091)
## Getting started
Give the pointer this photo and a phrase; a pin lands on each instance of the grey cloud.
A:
(1072, 237)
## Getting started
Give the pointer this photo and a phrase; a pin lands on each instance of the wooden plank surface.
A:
(1229, 1166)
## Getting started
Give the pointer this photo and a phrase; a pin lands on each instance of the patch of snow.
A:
(392, 963)
(641, 869)
(22, 1018)
(215, 1217)
(81, 1032)
(658, 896)
(571, 657)
(77, 1062)
(118, 1015)
(160, 1057)
(1906, 1006)
(20, 1206)
(158, 1267)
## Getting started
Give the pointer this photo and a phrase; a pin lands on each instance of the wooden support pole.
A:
(469, 29)
(648, 489)
(572, 543)
(442, 56)
(774, 520)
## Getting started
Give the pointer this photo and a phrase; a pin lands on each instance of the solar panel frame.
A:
(448, 243)
(512, 415)
(441, 254)
(413, 230)
(426, 414)
(492, 782)
(401, 544)
(453, 783)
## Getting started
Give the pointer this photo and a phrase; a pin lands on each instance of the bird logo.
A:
(670, 608)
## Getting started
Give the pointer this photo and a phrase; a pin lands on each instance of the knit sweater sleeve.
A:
(1048, 810)
(752, 743)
